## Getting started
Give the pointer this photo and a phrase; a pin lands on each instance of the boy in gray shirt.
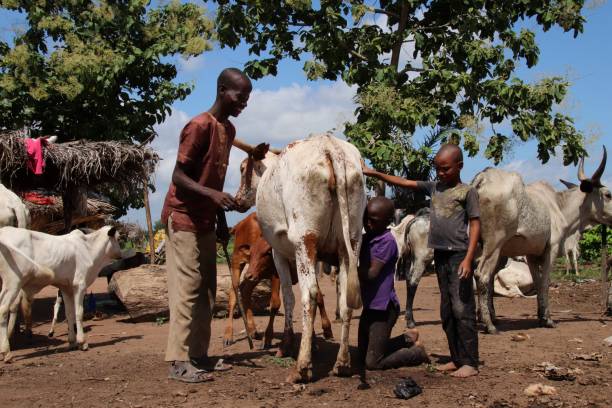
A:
(454, 206)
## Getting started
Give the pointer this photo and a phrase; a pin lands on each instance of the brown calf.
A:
(258, 255)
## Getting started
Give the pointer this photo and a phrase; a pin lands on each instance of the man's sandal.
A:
(186, 372)
(205, 364)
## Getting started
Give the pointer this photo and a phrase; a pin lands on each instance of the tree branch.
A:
(358, 55)
(389, 13)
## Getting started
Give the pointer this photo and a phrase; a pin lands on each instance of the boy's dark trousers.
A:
(457, 308)
(377, 351)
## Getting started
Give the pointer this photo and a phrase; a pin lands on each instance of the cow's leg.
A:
(342, 367)
(246, 288)
(13, 310)
(325, 323)
(27, 299)
(275, 303)
(305, 259)
(417, 268)
(56, 309)
(542, 280)
(70, 317)
(284, 273)
(337, 286)
(228, 337)
(575, 261)
(79, 295)
(484, 276)
(8, 295)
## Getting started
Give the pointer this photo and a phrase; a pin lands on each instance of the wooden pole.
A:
(149, 224)
(604, 268)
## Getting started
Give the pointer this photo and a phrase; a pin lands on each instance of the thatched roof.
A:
(80, 162)
(56, 210)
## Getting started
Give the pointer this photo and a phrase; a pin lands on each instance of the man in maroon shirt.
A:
(194, 201)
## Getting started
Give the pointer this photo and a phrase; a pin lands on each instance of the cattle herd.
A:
(309, 199)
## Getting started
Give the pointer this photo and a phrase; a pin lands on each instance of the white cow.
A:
(31, 260)
(411, 235)
(13, 212)
(533, 221)
(310, 203)
(514, 280)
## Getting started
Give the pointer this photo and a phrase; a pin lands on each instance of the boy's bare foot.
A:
(450, 366)
(465, 371)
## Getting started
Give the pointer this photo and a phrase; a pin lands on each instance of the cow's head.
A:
(598, 200)
(112, 248)
(250, 174)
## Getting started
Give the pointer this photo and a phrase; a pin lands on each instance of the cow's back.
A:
(509, 215)
(299, 193)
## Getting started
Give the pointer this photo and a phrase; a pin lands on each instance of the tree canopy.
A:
(96, 69)
(457, 82)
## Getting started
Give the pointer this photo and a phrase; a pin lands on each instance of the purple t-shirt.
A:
(376, 294)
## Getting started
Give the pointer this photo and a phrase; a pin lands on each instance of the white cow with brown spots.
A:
(310, 201)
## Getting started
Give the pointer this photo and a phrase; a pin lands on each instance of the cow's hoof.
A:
(84, 347)
(410, 324)
(265, 346)
(342, 370)
(227, 342)
(491, 330)
(328, 333)
(547, 323)
(299, 376)
(51, 333)
(8, 358)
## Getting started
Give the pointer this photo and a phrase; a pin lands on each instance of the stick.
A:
(604, 268)
(236, 286)
(149, 226)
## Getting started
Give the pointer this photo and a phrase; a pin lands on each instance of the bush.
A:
(590, 244)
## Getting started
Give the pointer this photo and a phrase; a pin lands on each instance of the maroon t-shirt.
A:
(204, 147)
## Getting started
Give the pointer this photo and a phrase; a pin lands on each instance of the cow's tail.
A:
(353, 293)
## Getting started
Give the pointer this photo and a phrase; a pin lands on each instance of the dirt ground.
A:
(124, 366)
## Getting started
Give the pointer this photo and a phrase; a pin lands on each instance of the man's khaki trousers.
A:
(192, 285)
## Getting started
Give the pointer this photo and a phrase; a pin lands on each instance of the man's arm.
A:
(465, 268)
(257, 152)
(387, 178)
(183, 182)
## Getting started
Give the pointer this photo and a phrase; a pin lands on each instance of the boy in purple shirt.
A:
(381, 308)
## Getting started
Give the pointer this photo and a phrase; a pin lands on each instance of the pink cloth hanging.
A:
(36, 160)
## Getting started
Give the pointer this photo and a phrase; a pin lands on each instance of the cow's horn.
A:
(275, 151)
(596, 178)
(581, 176)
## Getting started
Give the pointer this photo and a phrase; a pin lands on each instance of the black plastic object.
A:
(407, 389)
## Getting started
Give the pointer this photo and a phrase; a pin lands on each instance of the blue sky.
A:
(288, 107)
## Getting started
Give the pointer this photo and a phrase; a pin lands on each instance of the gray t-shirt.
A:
(451, 208)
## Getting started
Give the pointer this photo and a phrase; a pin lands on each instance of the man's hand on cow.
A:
(259, 151)
(223, 200)
(365, 169)
(465, 269)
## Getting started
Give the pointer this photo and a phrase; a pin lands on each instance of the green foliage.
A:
(158, 225)
(461, 71)
(97, 69)
(230, 250)
(590, 244)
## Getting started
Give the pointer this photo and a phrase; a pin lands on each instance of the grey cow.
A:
(534, 221)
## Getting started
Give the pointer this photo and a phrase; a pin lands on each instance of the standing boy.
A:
(454, 206)
(194, 204)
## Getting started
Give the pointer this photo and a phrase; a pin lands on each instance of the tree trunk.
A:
(144, 292)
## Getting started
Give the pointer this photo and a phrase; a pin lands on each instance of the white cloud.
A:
(191, 64)
(278, 117)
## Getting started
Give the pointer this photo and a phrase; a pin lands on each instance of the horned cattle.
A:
(533, 221)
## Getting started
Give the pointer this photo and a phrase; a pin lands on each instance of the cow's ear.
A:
(112, 232)
(568, 184)
(586, 186)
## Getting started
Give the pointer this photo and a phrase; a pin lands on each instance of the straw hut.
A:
(49, 218)
(72, 168)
